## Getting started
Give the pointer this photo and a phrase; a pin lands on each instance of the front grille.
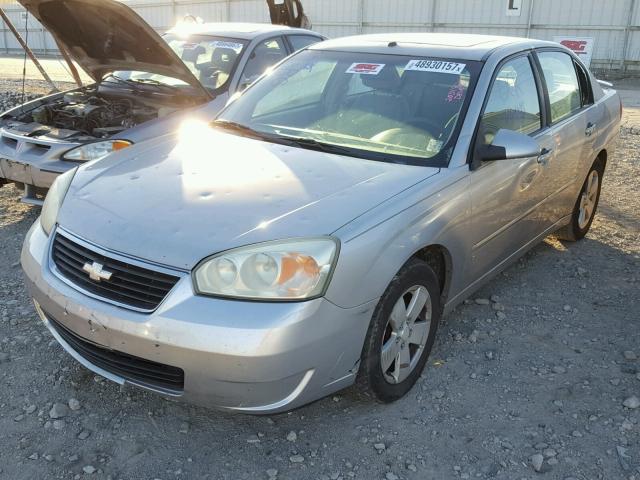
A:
(129, 284)
(134, 369)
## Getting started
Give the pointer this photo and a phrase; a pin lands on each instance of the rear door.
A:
(572, 124)
(506, 194)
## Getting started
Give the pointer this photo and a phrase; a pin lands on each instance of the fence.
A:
(614, 25)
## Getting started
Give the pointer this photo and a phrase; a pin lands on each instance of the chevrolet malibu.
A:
(313, 235)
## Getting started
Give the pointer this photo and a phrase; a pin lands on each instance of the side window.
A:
(586, 92)
(265, 55)
(513, 102)
(562, 84)
(300, 41)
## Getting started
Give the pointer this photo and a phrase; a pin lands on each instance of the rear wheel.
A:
(401, 333)
(586, 205)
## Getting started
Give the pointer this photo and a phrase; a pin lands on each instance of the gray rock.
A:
(59, 410)
(473, 338)
(89, 469)
(380, 447)
(272, 473)
(559, 369)
(74, 404)
(623, 457)
(630, 355)
(296, 459)
(482, 301)
(59, 424)
(536, 462)
(391, 476)
(84, 434)
(632, 402)
(438, 394)
(292, 436)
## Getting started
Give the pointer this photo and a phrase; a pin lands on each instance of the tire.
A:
(415, 339)
(584, 210)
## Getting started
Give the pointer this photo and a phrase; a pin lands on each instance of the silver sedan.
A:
(313, 235)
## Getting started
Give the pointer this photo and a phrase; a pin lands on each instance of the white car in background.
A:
(145, 84)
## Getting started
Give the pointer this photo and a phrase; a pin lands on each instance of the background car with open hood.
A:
(145, 84)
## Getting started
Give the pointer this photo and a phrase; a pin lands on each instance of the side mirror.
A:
(509, 145)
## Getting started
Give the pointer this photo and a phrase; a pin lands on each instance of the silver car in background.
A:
(316, 232)
(145, 84)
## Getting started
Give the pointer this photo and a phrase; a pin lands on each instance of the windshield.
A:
(211, 59)
(405, 109)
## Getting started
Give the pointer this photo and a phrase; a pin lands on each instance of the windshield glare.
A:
(212, 60)
(384, 107)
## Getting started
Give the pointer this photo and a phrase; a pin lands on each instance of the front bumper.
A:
(246, 356)
(35, 163)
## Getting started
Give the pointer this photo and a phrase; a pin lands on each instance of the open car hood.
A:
(105, 35)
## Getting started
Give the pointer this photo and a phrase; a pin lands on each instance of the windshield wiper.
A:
(240, 128)
(308, 143)
(313, 144)
(155, 83)
(142, 81)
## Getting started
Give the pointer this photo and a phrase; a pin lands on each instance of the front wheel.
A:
(586, 205)
(401, 333)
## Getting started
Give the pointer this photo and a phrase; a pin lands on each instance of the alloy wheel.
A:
(588, 199)
(405, 334)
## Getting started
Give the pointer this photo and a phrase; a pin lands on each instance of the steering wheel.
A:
(209, 75)
(406, 136)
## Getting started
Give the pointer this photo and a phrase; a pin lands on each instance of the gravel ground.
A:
(527, 380)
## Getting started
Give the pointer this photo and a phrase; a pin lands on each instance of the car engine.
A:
(90, 113)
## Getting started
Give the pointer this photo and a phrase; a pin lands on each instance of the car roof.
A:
(243, 31)
(446, 45)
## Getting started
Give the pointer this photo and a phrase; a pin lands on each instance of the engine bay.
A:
(92, 112)
(93, 115)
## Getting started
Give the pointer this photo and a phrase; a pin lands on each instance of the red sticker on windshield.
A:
(366, 68)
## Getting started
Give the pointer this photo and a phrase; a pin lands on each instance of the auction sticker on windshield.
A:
(223, 44)
(436, 66)
(366, 68)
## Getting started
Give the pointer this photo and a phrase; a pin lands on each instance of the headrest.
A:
(191, 53)
(387, 79)
(223, 55)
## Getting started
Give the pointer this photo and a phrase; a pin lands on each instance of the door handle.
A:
(544, 156)
(591, 127)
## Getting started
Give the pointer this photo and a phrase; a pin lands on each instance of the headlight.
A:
(54, 199)
(95, 151)
(282, 270)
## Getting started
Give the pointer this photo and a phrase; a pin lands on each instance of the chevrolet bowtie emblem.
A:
(97, 272)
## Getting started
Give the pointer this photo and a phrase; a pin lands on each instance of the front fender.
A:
(376, 245)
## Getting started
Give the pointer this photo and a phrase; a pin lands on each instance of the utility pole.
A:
(24, 45)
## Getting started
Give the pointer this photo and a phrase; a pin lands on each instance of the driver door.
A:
(506, 194)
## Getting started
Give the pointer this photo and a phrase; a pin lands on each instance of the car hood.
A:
(105, 35)
(180, 198)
